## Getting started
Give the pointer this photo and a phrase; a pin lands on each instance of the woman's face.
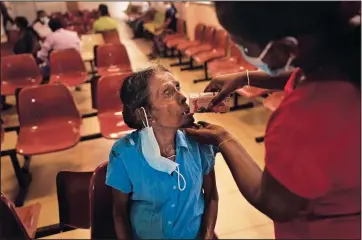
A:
(276, 57)
(168, 105)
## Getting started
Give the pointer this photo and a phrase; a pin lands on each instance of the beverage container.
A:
(199, 103)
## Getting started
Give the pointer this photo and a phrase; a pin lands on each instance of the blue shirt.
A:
(159, 209)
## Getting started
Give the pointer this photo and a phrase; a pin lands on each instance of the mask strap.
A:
(178, 179)
(266, 49)
(287, 65)
(144, 124)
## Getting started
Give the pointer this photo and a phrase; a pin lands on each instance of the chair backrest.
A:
(112, 54)
(66, 61)
(108, 92)
(46, 103)
(199, 31)
(221, 39)
(88, 41)
(11, 226)
(209, 35)
(73, 198)
(13, 36)
(181, 26)
(111, 36)
(101, 205)
(19, 66)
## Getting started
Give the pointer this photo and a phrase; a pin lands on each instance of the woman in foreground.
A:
(310, 186)
(163, 182)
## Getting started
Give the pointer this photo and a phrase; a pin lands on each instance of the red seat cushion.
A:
(70, 79)
(274, 100)
(208, 56)
(187, 44)
(197, 49)
(252, 92)
(9, 87)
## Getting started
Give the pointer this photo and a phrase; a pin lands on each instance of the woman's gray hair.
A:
(135, 93)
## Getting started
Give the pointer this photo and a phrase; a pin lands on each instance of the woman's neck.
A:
(166, 140)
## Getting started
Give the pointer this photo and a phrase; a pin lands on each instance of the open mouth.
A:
(187, 112)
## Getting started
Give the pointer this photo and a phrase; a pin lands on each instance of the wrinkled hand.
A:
(207, 133)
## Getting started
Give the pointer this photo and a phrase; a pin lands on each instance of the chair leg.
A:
(238, 106)
(192, 67)
(259, 139)
(207, 78)
(179, 63)
(23, 176)
(94, 84)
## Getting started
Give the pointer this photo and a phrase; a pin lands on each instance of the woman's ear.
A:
(142, 116)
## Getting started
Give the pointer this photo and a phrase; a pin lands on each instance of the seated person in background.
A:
(104, 22)
(147, 14)
(28, 41)
(41, 26)
(161, 31)
(59, 39)
(163, 181)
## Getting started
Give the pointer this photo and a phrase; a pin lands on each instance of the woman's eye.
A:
(168, 93)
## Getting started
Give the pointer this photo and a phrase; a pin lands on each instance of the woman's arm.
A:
(121, 218)
(211, 206)
(259, 188)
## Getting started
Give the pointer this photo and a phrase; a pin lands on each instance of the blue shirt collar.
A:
(181, 140)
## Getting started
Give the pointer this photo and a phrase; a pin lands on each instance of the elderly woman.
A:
(163, 182)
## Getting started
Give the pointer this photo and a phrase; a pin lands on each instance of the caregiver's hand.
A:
(225, 85)
(208, 133)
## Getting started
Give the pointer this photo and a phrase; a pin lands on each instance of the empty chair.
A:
(73, 199)
(112, 59)
(66, 66)
(49, 120)
(273, 101)
(18, 71)
(207, 44)
(18, 223)
(101, 205)
(172, 39)
(88, 42)
(199, 34)
(111, 36)
(218, 50)
(110, 107)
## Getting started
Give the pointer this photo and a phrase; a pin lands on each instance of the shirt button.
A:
(169, 222)
(173, 205)
(174, 187)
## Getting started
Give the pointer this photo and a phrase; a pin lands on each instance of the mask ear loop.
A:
(178, 179)
(144, 124)
(264, 52)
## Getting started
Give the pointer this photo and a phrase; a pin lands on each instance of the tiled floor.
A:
(236, 218)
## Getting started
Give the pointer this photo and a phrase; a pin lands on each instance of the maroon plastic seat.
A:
(49, 120)
(111, 36)
(199, 33)
(18, 223)
(173, 39)
(206, 45)
(234, 63)
(252, 92)
(18, 71)
(218, 50)
(67, 66)
(273, 101)
(101, 205)
(110, 107)
(112, 59)
(73, 199)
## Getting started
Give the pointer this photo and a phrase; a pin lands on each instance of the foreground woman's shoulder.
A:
(126, 142)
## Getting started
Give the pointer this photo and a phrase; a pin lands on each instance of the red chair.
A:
(13, 36)
(173, 39)
(112, 59)
(199, 33)
(18, 71)
(219, 47)
(111, 36)
(18, 223)
(273, 101)
(73, 199)
(110, 107)
(206, 45)
(67, 66)
(49, 120)
(101, 205)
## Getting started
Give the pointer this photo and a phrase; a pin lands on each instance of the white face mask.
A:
(151, 152)
(45, 20)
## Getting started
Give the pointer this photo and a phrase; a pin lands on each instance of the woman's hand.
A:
(225, 85)
(207, 133)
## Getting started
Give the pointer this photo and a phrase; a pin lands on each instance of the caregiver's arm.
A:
(211, 206)
(261, 189)
(228, 83)
(121, 218)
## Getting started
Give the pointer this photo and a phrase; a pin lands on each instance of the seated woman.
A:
(163, 181)
(104, 22)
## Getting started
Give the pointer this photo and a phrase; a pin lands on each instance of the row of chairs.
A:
(84, 202)
(66, 66)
